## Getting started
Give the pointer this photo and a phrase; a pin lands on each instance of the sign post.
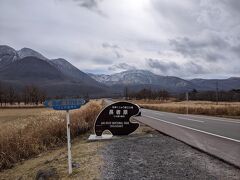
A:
(187, 98)
(66, 104)
(69, 143)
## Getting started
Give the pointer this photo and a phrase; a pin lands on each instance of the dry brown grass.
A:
(224, 109)
(36, 131)
(85, 153)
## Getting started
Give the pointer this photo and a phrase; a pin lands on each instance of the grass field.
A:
(223, 109)
(24, 116)
(25, 133)
(55, 161)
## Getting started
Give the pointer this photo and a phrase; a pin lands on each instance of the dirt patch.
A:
(148, 154)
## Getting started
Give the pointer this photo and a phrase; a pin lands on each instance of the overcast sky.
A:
(185, 38)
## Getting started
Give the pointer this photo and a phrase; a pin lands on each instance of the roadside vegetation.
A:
(213, 103)
(222, 109)
(195, 95)
(53, 163)
(25, 133)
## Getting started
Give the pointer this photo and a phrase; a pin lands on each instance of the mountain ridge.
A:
(165, 82)
(27, 52)
(56, 77)
(59, 76)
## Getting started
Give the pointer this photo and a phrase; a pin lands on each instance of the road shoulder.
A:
(148, 154)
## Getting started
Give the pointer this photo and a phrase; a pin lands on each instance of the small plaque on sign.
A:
(64, 104)
(115, 118)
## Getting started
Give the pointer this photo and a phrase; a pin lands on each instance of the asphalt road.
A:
(219, 137)
(223, 127)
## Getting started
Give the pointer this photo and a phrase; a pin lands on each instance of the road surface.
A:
(214, 135)
(222, 127)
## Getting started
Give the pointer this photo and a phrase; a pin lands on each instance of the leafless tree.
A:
(11, 95)
(1, 93)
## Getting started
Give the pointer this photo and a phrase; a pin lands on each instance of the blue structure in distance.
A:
(64, 104)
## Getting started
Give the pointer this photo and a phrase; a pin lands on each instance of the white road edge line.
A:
(193, 129)
(198, 116)
(214, 119)
(189, 119)
(159, 114)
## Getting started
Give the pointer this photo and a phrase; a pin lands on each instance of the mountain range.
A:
(137, 79)
(55, 76)
(59, 77)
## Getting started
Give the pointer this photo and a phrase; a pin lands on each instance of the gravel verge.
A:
(148, 154)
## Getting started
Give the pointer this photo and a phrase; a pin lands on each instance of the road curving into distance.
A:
(219, 137)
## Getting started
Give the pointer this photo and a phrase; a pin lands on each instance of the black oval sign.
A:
(115, 118)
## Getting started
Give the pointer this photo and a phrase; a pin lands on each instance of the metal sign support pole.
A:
(187, 101)
(69, 143)
(66, 104)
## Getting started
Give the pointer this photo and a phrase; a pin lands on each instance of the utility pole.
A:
(126, 93)
(187, 98)
(69, 143)
(217, 92)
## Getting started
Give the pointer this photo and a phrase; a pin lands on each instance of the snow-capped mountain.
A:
(59, 77)
(71, 71)
(7, 55)
(56, 77)
(138, 79)
(127, 77)
(103, 78)
(27, 52)
(142, 78)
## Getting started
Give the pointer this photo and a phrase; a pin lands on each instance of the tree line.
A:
(147, 94)
(30, 94)
(232, 95)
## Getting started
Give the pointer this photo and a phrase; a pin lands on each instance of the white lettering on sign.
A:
(66, 102)
(125, 112)
(118, 112)
(111, 112)
(122, 107)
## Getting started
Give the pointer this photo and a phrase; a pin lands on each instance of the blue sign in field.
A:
(64, 104)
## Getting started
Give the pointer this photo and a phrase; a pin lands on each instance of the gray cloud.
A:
(118, 55)
(192, 37)
(89, 4)
(210, 49)
(121, 66)
(232, 5)
(193, 68)
(102, 60)
(112, 46)
(173, 68)
(161, 65)
(115, 49)
(236, 50)
(92, 5)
